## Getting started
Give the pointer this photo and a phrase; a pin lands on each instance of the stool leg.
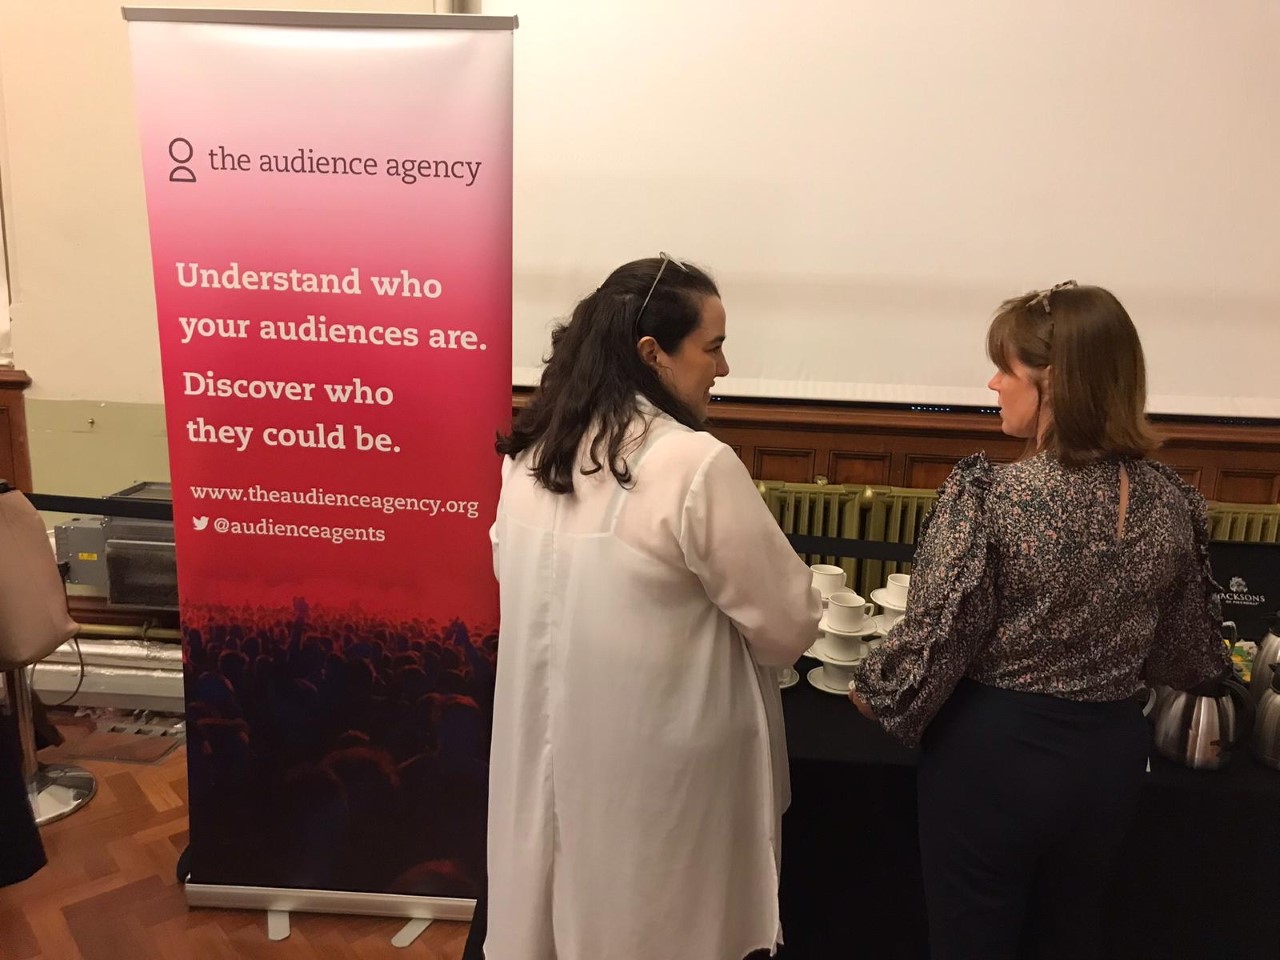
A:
(19, 693)
(56, 790)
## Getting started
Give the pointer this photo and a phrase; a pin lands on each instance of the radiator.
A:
(896, 515)
(852, 511)
(893, 515)
(1244, 522)
(818, 510)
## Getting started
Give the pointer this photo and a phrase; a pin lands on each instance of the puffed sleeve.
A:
(1188, 647)
(735, 547)
(950, 610)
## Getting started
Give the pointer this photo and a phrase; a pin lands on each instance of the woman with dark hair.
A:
(1045, 595)
(638, 767)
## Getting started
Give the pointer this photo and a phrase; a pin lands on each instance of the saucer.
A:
(864, 632)
(820, 653)
(815, 681)
(882, 625)
(880, 597)
(788, 677)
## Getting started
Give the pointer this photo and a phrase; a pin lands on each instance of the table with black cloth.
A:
(1199, 879)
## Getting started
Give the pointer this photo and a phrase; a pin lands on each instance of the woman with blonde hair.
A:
(1045, 594)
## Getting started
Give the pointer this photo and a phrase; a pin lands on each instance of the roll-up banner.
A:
(330, 209)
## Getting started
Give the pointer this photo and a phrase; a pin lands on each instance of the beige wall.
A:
(89, 448)
(6, 342)
(83, 310)
(865, 178)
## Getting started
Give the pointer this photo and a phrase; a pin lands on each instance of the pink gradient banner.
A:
(330, 215)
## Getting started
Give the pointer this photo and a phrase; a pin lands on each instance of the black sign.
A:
(1249, 574)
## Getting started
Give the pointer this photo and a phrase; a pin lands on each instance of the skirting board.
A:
(123, 688)
(328, 901)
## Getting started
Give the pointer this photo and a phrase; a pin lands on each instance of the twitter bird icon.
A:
(199, 522)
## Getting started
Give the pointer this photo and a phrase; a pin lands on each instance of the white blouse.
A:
(638, 770)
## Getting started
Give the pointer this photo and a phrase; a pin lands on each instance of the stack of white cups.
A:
(848, 628)
(892, 599)
(828, 578)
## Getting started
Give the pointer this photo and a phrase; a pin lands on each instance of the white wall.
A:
(867, 179)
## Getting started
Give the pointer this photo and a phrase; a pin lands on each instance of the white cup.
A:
(884, 622)
(897, 589)
(848, 612)
(827, 578)
(836, 677)
(888, 620)
(845, 648)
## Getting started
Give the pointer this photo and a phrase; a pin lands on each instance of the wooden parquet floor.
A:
(110, 891)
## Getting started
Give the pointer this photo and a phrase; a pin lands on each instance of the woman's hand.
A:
(861, 704)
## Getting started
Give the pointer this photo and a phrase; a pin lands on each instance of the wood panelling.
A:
(846, 443)
(857, 467)
(778, 463)
(15, 460)
(925, 472)
(1230, 462)
(7, 466)
(1248, 486)
(1192, 475)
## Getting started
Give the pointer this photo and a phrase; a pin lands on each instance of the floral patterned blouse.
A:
(1022, 581)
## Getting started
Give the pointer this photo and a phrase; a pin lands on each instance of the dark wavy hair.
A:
(594, 373)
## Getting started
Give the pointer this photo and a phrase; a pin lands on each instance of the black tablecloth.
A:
(1200, 878)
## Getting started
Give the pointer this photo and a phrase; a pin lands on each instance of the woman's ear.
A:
(648, 350)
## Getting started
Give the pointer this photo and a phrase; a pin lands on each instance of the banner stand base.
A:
(285, 900)
(409, 933)
(277, 925)
(278, 929)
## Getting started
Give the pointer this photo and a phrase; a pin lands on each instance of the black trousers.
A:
(1023, 803)
(21, 853)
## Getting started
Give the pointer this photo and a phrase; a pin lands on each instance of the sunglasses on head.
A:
(665, 258)
(1045, 296)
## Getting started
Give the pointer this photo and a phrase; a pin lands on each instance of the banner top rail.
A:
(320, 18)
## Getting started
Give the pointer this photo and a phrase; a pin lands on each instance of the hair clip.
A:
(1044, 296)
